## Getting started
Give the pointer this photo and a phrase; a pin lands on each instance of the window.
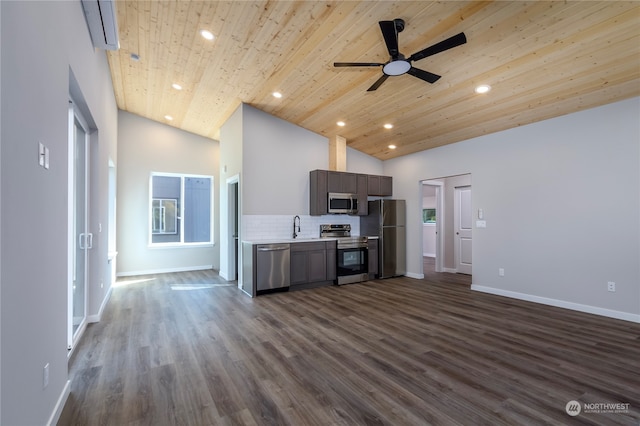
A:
(165, 217)
(428, 215)
(181, 209)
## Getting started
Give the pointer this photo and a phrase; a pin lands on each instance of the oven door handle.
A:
(343, 246)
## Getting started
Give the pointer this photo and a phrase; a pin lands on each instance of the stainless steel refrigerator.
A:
(387, 220)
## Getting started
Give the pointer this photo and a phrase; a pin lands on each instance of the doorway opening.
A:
(446, 217)
(80, 237)
(233, 202)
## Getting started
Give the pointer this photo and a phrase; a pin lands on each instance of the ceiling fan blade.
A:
(356, 64)
(390, 35)
(423, 75)
(447, 44)
(378, 83)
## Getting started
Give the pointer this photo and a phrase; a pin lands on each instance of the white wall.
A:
(146, 146)
(231, 150)
(48, 41)
(543, 188)
(277, 159)
(359, 162)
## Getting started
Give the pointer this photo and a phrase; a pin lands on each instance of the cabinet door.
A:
(318, 189)
(381, 186)
(299, 267)
(334, 181)
(386, 186)
(342, 182)
(373, 185)
(362, 186)
(332, 260)
(373, 258)
(349, 183)
(317, 265)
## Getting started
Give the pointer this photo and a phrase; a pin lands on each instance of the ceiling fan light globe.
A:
(398, 67)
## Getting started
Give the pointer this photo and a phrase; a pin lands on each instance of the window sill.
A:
(175, 246)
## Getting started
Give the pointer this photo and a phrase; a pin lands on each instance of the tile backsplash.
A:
(265, 227)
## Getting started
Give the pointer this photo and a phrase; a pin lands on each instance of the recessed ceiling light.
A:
(277, 95)
(388, 126)
(176, 86)
(207, 34)
(168, 117)
(483, 88)
(341, 123)
(392, 147)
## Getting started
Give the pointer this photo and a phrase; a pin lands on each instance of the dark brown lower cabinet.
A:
(332, 259)
(311, 262)
(373, 258)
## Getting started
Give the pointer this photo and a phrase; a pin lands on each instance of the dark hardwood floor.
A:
(188, 349)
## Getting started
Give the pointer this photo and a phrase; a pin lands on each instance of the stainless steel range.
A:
(352, 254)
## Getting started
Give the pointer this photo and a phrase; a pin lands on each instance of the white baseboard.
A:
(62, 399)
(413, 275)
(428, 255)
(98, 316)
(559, 303)
(450, 270)
(164, 270)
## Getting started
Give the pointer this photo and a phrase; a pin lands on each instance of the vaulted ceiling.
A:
(542, 59)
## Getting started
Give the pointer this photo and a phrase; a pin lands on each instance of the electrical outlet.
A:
(611, 286)
(45, 376)
(501, 272)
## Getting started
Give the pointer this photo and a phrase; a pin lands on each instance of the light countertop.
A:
(296, 240)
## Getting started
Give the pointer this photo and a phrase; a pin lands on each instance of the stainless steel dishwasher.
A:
(272, 266)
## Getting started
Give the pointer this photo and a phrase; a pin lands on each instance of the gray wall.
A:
(277, 158)
(561, 199)
(146, 146)
(43, 43)
(359, 162)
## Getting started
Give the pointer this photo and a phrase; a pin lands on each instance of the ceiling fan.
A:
(398, 64)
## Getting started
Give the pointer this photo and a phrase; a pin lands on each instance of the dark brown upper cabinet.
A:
(322, 182)
(381, 186)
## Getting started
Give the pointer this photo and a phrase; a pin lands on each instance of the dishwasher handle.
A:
(273, 248)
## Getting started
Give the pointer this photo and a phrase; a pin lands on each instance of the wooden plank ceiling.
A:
(542, 59)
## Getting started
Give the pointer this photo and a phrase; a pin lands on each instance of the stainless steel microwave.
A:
(342, 203)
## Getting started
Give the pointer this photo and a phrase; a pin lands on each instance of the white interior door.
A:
(463, 218)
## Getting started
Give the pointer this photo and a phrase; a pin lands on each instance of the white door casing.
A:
(80, 238)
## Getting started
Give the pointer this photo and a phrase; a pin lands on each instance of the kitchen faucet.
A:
(296, 229)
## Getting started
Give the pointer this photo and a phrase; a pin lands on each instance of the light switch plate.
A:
(481, 223)
(41, 154)
(46, 158)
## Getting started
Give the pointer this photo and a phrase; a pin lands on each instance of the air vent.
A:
(102, 23)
